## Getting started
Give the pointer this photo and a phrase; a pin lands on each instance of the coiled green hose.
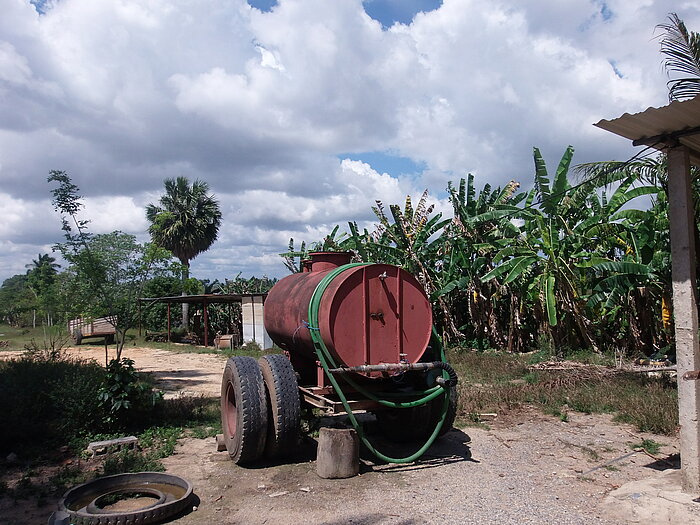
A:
(327, 362)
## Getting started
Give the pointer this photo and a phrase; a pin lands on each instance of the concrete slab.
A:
(654, 500)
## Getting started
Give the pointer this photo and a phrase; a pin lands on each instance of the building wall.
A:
(253, 326)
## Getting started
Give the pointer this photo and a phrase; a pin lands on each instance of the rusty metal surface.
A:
(315, 397)
(692, 376)
(368, 315)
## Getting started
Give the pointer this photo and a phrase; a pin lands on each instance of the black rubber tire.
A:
(403, 425)
(417, 423)
(77, 337)
(80, 502)
(243, 409)
(436, 408)
(283, 405)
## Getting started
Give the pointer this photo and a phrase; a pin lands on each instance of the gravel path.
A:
(529, 473)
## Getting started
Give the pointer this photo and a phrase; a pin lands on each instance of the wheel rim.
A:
(231, 410)
(162, 496)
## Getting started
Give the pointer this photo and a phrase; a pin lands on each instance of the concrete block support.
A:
(682, 227)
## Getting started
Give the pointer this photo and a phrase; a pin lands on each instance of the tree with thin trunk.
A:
(186, 222)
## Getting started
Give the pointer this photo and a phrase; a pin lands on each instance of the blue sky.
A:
(300, 114)
(385, 11)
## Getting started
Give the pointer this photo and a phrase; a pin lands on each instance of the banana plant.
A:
(544, 257)
(480, 225)
(414, 237)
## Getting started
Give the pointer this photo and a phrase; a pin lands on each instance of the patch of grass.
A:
(132, 461)
(588, 356)
(489, 367)
(531, 378)
(160, 441)
(648, 445)
(499, 382)
(68, 477)
(19, 337)
(204, 432)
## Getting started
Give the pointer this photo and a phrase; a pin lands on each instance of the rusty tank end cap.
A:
(324, 261)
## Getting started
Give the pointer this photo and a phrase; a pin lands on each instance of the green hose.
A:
(326, 359)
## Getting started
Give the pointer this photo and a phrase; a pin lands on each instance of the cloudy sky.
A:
(300, 113)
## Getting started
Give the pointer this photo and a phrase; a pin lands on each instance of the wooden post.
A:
(168, 322)
(139, 317)
(206, 323)
(338, 453)
(682, 218)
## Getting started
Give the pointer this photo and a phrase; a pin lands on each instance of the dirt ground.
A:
(524, 467)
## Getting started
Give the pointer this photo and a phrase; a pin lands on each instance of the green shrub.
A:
(46, 398)
(124, 393)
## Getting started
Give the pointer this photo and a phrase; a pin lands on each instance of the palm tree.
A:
(186, 222)
(682, 55)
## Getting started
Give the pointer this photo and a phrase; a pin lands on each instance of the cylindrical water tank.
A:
(369, 314)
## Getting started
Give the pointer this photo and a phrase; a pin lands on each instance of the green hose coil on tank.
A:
(327, 361)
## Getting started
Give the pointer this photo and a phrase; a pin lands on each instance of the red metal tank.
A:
(368, 315)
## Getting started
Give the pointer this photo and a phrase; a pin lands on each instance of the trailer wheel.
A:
(402, 425)
(77, 336)
(283, 406)
(243, 409)
(436, 408)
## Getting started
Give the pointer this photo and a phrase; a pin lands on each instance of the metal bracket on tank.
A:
(403, 367)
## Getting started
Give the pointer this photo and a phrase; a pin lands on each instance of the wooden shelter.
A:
(251, 306)
(675, 130)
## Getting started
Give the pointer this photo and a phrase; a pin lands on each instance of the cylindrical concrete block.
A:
(338, 453)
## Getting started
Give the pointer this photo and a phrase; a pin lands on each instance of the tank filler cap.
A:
(383, 275)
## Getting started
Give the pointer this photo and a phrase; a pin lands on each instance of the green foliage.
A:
(648, 445)
(154, 316)
(123, 392)
(681, 50)
(187, 220)
(51, 393)
(562, 266)
(16, 301)
(501, 382)
(107, 272)
(41, 280)
(132, 461)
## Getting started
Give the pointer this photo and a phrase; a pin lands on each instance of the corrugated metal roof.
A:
(678, 121)
(208, 298)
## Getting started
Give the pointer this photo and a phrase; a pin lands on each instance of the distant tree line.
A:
(106, 274)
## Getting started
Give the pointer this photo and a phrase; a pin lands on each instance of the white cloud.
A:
(123, 93)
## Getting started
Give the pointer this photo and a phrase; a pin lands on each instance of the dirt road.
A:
(524, 468)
